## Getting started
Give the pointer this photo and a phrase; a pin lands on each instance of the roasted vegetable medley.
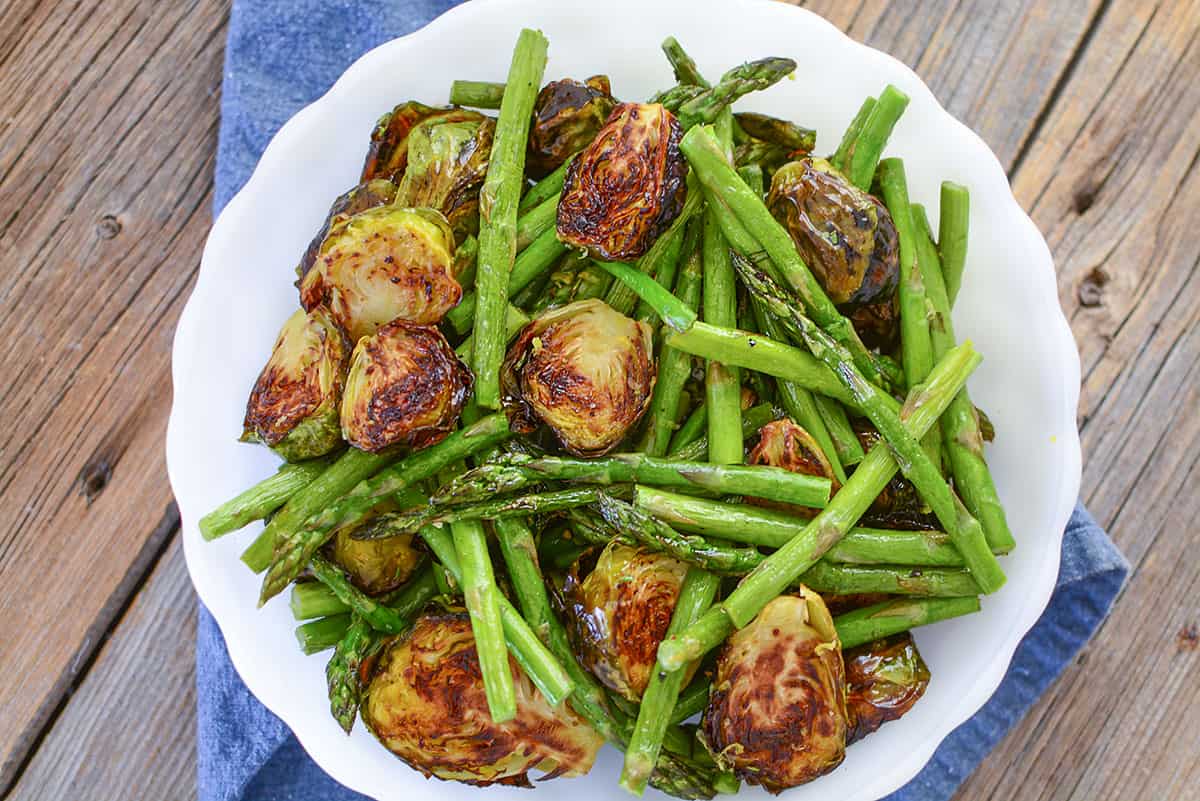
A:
(624, 420)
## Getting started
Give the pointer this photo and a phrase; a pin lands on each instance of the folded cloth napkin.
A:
(282, 55)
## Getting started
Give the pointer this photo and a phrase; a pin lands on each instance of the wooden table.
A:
(108, 125)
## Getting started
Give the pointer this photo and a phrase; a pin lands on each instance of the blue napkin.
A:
(282, 55)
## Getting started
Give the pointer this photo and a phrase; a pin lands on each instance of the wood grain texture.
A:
(106, 156)
(1092, 106)
(129, 729)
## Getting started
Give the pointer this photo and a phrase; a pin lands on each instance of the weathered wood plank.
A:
(105, 171)
(1113, 180)
(129, 730)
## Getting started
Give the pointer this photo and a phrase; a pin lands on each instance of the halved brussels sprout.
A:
(406, 387)
(293, 407)
(447, 162)
(883, 680)
(584, 370)
(426, 704)
(379, 563)
(379, 192)
(777, 713)
(387, 155)
(619, 612)
(785, 443)
(627, 186)
(384, 264)
(845, 235)
(567, 115)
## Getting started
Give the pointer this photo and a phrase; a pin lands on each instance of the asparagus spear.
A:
(881, 409)
(960, 424)
(892, 617)
(682, 64)
(295, 544)
(692, 700)
(864, 154)
(750, 228)
(537, 221)
(750, 77)
(920, 412)
(509, 507)
(519, 550)
(342, 674)
(351, 467)
(659, 699)
(515, 472)
(548, 187)
(476, 94)
(784, 133)
(530, 264)
(324, 632)
(722, 385)
(845, 441)
(483, 605)
(542, 666)
(772, 528)
(378, 616)
(692, 429)
(939, 582)
(753, 419)
(263, 498)
(953, 225)
(312, 599)
(498, 201)
(838, 159)
(914, 327)
(674, 366)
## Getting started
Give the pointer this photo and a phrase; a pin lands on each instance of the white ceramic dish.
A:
(1029, 380)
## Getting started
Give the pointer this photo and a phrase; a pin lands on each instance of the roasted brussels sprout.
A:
(426, 704)
(567, 115)
(584, 370)
(387, 155)
(784, 443)
(293, 407)
(619, 612)
(384, 264)
(627, 186)
(883, 681)
(899, 505)
(379, 192)
(406, 387)
(777, 712)
(878, 324)
(378, 563)
(447, 162)
(844, 234)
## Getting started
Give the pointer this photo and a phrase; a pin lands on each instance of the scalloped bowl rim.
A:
(234, 616)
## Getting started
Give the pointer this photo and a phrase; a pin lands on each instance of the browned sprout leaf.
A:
(406, 387)
(567, 115)
(378, 192)
(883, 681)
(380, 562)
(845, 235)
(387, 155)
(293, 407)
(784, 443)
(878, 324)
(899, 505)
(627, 186)
(384, 264)
(447, 162)
(777, 713)
(618, 613)
(426, 704)
(584, 370)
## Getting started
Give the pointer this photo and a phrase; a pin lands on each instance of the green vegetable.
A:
(498, 201)
(342, 674)
(483, 605)
(325, 632)
(864, 154)
(953, 225)
(476, 94)
(263, 498)
(312, 599)
(845, 441)
(530, 264)
(838, 159)
(892, 617)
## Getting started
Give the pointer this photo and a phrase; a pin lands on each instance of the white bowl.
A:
(1028, 382)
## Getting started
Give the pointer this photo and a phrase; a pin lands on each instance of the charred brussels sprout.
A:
(777, 712)
(447, 162)
(899, 505)
(619, 613)
(426, 704)
(380, 562)
(845, 235)
(293, 407)
(384, 264)
(627, 186)
(388, 153)
(584, 370)
(784, 443)
(379, 192)
(883, 681)
(406, 387)
(878, 324)
(567, 115)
